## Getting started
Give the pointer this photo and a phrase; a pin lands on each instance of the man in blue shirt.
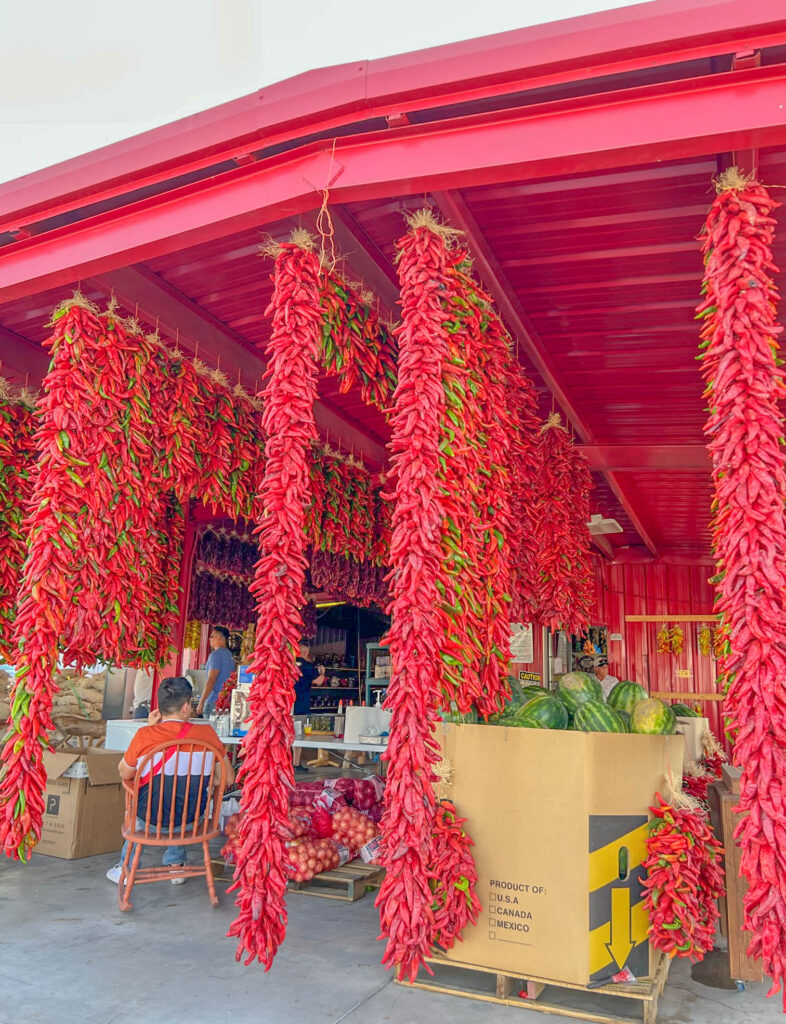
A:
(220, 666)
(308, 673)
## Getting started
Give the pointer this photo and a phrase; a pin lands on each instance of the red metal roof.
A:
(578, 156)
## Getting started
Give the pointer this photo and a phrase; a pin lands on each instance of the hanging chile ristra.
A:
(523, 467)
(84, 539)
(454, 877)
(177, 418)
(565, 582)
(684, 880)
(162, 614)
(356, 346)
(745, 438)
(288, 422)
(415, 636)
(495, 508)
(17, 459)
(463, 452)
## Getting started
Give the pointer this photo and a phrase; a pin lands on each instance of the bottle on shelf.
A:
(338, 722)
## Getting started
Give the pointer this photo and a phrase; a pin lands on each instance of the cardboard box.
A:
(84, 804)
(550, 813)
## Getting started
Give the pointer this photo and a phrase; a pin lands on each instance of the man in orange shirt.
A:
(170, 721)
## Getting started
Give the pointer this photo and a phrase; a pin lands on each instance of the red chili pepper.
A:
(680, 892)
(405, 896)
(561, 514)
(17, 462)
(745, 384)
(288, 422)
(454, 877)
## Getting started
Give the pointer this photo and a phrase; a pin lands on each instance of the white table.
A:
(328, 744)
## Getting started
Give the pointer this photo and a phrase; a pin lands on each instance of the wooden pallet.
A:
(347, 883)
(489, 986)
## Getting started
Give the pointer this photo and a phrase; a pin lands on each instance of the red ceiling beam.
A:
(178, 317)
(590, 47)
(641, 457)
(491, 274)
(676, 120)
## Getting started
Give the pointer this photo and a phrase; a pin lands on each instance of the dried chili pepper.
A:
(744, 430)
(356, 346)
(17, 461)
(87, 539)
(565, 583)
(525, 485)
(684, 879)
(453, 877)
(405, 897)
(288, 422)
(496, 516)
(462, 442)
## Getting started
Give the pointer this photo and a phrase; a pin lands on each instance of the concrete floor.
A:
(68, 956)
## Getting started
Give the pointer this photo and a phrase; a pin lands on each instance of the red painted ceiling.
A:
(605, 265)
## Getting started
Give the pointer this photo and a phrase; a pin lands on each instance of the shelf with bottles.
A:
(373, 687)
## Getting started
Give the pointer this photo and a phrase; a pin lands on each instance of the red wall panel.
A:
(658, 589)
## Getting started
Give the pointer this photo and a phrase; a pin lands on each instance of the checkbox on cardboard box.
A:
(491, 922)
(492, 935)
(492, 897)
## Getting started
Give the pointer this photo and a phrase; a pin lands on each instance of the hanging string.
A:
(324, 222)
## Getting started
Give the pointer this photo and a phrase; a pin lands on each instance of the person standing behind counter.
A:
(605, 678)
(220, 666)
(308, 673)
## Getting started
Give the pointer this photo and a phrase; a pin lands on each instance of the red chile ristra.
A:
(684, 879)
(415, 637)
(745, 436)
(524, 466)
(87, 539)
(454, 877)
(288, 422)
(17, 460)
(562, 513)
(495, 509)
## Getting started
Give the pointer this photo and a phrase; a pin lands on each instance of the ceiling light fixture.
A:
(598, 525)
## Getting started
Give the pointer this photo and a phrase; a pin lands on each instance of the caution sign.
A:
(617, 918)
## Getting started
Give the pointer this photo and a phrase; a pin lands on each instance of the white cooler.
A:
(119, 732)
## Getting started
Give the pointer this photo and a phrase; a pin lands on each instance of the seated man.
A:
(169, 722)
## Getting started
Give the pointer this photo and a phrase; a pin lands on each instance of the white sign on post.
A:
(522, 648)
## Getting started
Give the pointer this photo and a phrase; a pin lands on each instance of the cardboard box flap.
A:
(58, 762)
(102, 766)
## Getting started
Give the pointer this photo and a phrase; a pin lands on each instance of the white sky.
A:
(79, 74)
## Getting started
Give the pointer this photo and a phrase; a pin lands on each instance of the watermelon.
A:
(596, 716)
(528, 723)
(533, 691)
(576, 687)
(626, 695)
(625, 719)
(454, 715)
(516, 691)
(683, 711)
(652, 716)
(545, 711)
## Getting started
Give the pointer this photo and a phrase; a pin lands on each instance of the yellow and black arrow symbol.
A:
(621, 939)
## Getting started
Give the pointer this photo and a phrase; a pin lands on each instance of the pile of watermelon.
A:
(578, 704)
